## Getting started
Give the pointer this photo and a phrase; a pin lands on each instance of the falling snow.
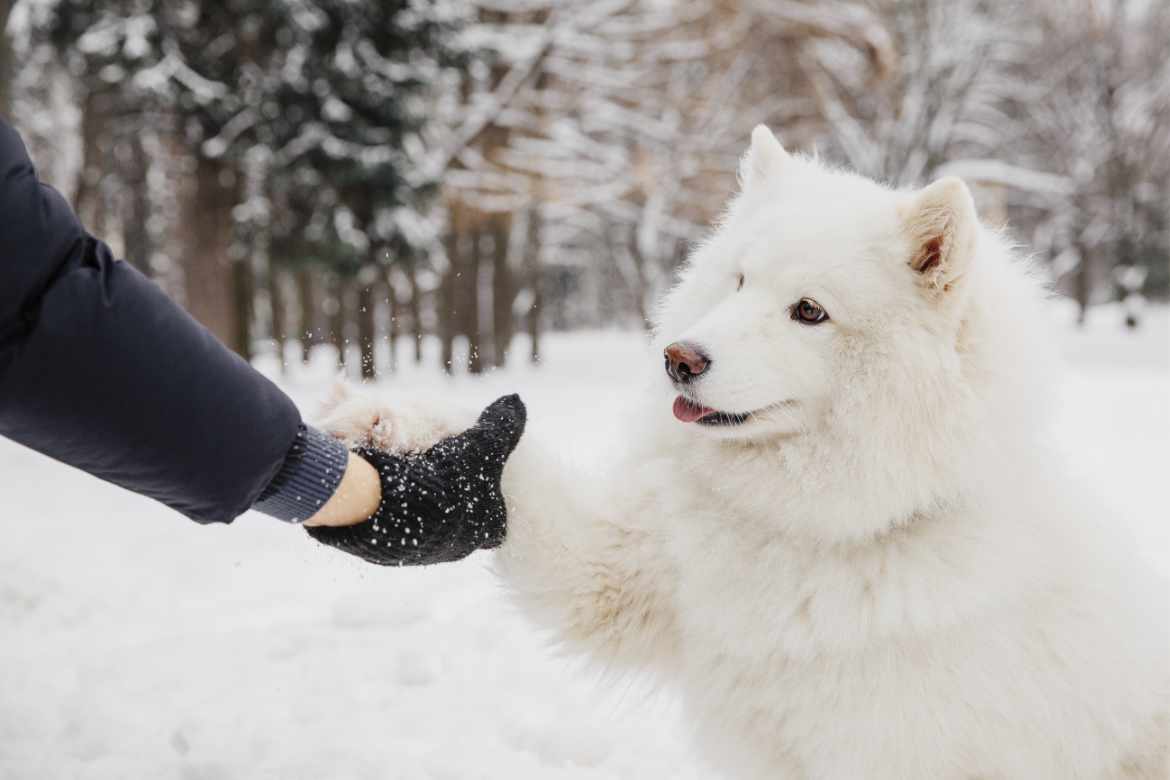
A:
(137, 644)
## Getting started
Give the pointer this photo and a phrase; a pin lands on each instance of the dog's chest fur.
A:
(900, 655)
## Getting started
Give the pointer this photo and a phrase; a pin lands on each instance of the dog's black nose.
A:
(685, 361)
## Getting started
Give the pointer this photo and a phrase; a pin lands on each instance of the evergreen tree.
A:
(349, 113)
(323, 101)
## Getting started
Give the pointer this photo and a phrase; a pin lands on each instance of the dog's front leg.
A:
(579, 561)
(574, 554)
(398, 422)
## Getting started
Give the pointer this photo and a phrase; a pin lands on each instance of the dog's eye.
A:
(738, 282)
(809, 312)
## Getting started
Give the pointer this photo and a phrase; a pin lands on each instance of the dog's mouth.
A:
(688, 411)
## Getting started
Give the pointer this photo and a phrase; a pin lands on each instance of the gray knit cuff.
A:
(309, 477)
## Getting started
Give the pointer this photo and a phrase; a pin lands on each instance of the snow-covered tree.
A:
(341, 128)
(617, 124)
(319, 101)
(941, 99)
(1098, 115)
(1059, 108)
(350, 169)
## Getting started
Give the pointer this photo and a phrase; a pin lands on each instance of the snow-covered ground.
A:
(135, 644)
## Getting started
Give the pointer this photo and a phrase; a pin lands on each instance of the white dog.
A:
(848, 545)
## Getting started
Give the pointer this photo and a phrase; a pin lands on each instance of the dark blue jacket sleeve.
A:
(100, 370)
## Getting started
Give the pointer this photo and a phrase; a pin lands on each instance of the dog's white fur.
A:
(884, 573)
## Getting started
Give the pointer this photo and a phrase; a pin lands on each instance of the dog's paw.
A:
(391, 424)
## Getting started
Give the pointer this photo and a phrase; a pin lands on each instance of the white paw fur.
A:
(395, 422)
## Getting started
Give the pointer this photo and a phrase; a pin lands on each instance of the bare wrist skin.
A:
(356, 498)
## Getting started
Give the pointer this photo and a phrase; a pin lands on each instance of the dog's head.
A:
(815, 281)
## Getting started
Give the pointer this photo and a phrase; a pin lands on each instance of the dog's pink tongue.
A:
(689, 411)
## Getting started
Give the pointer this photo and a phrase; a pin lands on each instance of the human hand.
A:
(440, 505)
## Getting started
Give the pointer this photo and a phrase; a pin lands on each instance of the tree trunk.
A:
(415, 304)
(532, 271)
(6, 70)
(211, 278)
(394, 324)
(367, 327)
(244, 294)
(446, 308)
(308, 311)
(136, 212)
(87, 197)
(338, 318)
(277, 301)
(503, 293)
(1083, 284)
(470, 303)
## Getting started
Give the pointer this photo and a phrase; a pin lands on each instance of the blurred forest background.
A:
(373, 175)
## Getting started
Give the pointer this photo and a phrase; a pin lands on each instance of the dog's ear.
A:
(940, 225)
(763, 160)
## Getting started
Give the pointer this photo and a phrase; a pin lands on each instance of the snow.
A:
(136, 644)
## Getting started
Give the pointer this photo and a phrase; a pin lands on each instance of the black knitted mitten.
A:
(440, 505)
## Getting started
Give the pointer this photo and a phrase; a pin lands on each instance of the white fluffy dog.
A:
(849, 546)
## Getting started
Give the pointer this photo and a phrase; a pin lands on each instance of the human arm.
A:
(99, 369)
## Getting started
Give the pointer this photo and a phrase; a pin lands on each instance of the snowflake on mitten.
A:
(440, 505)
